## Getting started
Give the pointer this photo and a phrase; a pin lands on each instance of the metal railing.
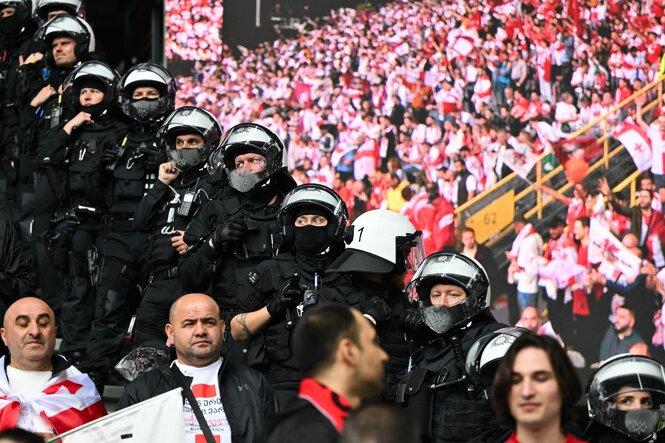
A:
(491, 212)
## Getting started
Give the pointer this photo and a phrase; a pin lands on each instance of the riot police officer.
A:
(184, 185)
(147, 95)
(236, 231)
(453, 293)
(626, 400)
(65, 42)
(75, 155)
(274, 294)
(384, 247)
(16, 31)
(45, 10)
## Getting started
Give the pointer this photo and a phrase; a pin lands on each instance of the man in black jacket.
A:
(338, 352)
(234, 399)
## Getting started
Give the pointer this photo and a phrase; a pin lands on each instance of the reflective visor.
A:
(62, 24)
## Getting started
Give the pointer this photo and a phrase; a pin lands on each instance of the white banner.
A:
(158, 419)
(614, 258)
(521, 164)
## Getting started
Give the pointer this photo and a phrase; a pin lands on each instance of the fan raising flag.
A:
(637, 144)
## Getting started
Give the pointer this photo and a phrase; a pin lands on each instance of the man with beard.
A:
(339, 353)
(620, 336)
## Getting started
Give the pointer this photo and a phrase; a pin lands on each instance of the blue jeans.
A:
(525, 299)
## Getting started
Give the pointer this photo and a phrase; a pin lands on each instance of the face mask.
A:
(185, 159)
(638, 424)
(145, 109)
(311, 240)
(243, 181)
(95, 111)
(11, 26)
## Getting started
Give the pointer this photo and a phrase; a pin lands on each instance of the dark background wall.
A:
(131, 31)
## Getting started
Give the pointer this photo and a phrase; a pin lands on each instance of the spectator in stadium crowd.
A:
(31, 376)
(535, 390)
(523, 256)
(242, 395)
(620, 335)
(339, 354)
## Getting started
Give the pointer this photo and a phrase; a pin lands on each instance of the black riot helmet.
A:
(44, 7)
(189, 120)
(12, 26)
(66, 26)
(91, 74)
(450, 269)
(147, 111)
(485, 354)
(314, 198)
(628, 375)
(243, 139)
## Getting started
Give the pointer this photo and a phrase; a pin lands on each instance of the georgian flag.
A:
(637, 144)
(614, 258)
(460, 43)
(66, 401)
(158, 419)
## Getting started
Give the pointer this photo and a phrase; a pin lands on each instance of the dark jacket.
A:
(202, 266)
(246, 396)
(301, 422)
(458, 410)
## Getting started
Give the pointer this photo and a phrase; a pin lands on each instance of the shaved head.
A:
(188, 298)
(196, 330)
(23, 303)
(29, 333)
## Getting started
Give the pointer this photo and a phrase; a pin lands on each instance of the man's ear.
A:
(169, 334)
(347, 352)
(3, 334)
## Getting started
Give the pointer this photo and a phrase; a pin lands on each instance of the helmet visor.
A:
(452, 268)
(630, 374)
(61, 24)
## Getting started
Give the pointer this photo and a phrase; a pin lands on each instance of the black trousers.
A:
(153, 312)
(117, 298)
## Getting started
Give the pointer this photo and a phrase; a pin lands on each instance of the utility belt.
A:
(84, 214)
(163, 274)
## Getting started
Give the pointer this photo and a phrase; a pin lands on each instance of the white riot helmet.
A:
(619, 378)
(486, 353)
(450, 268)
(383, 242)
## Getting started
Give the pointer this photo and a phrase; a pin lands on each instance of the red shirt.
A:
(569, 439)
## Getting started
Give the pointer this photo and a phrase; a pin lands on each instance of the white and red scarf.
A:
(67, 400)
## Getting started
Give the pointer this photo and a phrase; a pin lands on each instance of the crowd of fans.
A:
(413, 108)
(193, 30)
(419, 106)
(429, 82)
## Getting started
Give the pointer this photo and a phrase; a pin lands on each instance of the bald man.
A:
(234, 399)
(51, 394)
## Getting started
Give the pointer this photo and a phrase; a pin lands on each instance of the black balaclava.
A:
(100, 108)
(310, 240)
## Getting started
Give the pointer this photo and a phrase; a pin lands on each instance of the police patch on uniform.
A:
(252, 278)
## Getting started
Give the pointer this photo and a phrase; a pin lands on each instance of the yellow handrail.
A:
(541, 176)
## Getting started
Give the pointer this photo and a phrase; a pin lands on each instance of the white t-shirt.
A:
(26, 384)
(205, 387)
